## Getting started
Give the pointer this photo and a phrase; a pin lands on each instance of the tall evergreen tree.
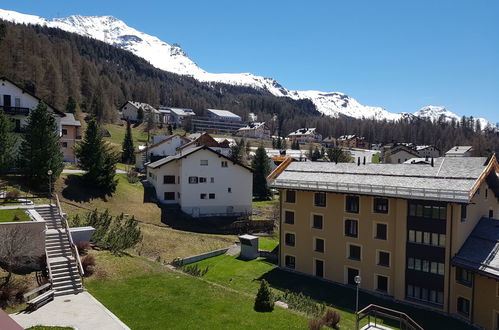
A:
(128, 155)
(261, 170)
(40, 149)
(98, 159)
(7, 144)
(71, 105)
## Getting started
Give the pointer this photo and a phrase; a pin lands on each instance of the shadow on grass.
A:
(175, 218)
(343, 297)
(77, 190)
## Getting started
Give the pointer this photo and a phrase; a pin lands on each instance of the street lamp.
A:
(49, 172)
(357, 280)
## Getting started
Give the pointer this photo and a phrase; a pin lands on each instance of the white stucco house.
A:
(130, 111)
(256, 130)
(305, 135)
(203, 183)
(162, 146)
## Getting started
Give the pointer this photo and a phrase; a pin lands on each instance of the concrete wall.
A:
(81, 234)
(199, 257)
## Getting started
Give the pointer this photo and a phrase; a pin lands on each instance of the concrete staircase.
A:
(63, 266)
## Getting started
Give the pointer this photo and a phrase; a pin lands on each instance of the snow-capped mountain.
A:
(173, 59)
(436, 112)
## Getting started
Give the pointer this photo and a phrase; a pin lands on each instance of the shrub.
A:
(331, 318)
(16, 218)
(7, 294)
(21, 290)
(132, 176)
(194, 270)
(12, 195)
(301, 303)
(315, 324)
(83, 247)
(88, 264)
(264, 300)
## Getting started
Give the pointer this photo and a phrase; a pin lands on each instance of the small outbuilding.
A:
(249, 247)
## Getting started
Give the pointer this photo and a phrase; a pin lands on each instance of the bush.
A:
(315, 324)
(132, 176)
(331, 318)
(83, 247)
(301, 303)
(7, 294)
(12, 195)
(21, 290)
(264, 301)
(16, 218)
(194, 270)
(88, 264)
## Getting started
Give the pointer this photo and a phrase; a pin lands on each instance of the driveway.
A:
(81, 311)
(81, 171)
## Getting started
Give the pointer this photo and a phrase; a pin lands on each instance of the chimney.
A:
(364, 160)
(432, 162)
(358, 161)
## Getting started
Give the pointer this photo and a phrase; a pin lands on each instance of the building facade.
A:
(254, 130)
(398, 227)
(305, 135)
(130, 112)
(203, 183)
(352, 141)
(71, 134)
(162, 146)
(218, 121)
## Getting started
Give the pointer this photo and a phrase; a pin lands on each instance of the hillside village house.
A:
(70, 135)
(161, 146)
(305, 135)
(257, 130)
(220, 145)
(175, 115)
(428, 151)
(399, 154)
(203, 183)
(218, 121)
(422, 234)
(459, 151)
(352, 141)
(130, 111)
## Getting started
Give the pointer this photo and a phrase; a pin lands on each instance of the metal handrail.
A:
(74, 250)
(51, 280)
(407, 321)
(438, 194)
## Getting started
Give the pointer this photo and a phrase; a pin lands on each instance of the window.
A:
(203, 162)
(212, 196)
(320, 199)
(464, 277)
(381, 231)
(429, 295)
(289, 239)
(352, 204)
(290, 196)
(64, 144)
(290, 262)
(463, 306)
(169, 196)
(319, 268)
(426, 238)
(384, 259)
(289, 217)
(410, 263)
(317, 221)
(351, 273)
(193, 179)
(351, 228)
(381, 283)
(464, 212)
(212, 180)
(64, 131)
(412, 236)
(319, 245)
(491, 214)
(223, 163)
(202, 196)
(229, 190)
(169, 179)
(381, 205)
(202, 180)
(354, 252)
(416, 209)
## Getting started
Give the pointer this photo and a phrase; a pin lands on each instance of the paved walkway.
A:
(81, 311)
(81, 172)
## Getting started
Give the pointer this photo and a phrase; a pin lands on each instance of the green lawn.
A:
(265, 203)
(268, 243)
(376, 158)
(148, 296)
(244, 276)
(9, 215)
(139, 136)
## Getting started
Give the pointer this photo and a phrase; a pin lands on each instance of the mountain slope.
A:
(173, 59)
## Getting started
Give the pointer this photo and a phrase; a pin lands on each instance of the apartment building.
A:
(218, 121)
(305, 135)
(71, 134)
(404, 228)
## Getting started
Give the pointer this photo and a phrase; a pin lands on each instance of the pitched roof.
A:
(224, 113)
(168, 138)
(60, 113)
(303, 131)
(452, 179)
(459, 150)
(69, 120)
(480, 250)
(189, 152)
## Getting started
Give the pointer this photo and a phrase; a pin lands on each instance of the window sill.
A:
(289, 245)
(351, 212)
(382, 265)
(352, 236)
(289, 223)
(319, 251)
(466, 284)
(317, 228)
(380, 238)
(354, 259)
(319, 205)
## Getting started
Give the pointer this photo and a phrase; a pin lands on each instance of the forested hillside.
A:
(56, 65)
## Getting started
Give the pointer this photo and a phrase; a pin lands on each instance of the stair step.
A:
(65, 272)
(66, 285)
(66, 292)
(70, 280)
(59, 254)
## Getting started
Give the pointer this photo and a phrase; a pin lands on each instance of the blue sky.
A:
(396, 54)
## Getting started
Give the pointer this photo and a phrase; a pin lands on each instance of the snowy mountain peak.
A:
(173, 58)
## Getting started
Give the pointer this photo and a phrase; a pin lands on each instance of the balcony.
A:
(15, 110)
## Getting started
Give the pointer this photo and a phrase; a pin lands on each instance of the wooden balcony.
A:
(15, 110)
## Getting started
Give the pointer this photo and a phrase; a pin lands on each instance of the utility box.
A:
(249, 247)
(81, 234)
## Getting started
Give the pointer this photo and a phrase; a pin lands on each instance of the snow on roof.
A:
(303, 131)
(178, 111)
(350, 137)
(252, 126)
(223, 113)
(145, 106)
(459, 150)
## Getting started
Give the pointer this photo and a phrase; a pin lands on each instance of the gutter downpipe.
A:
(450, 254)
(280, 228)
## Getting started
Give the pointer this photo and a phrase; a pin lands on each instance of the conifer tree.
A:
(264, 300)
(7, 144)
(40, 149)
(140, 114)
(71, 105)
(261, 170)
(98, 159)
(128, 155)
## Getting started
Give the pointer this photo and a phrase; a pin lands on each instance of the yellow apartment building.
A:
(420, 233)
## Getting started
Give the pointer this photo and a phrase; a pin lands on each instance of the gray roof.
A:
(459, 150)
(168, 159)
(69, 120)
(480, 251)
(449, 179)
(224, 113)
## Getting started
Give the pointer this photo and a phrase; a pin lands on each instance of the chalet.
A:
(218, 121)
(399, 154)
(161, 147)
(130, 111)
(305, 135)
(175, 115)
(352, 141)
(459, 151)
(329, 142)
(203, 183)
(428, 151)
(70, 135)
(424, 234)
(220, 145)
(257, 130)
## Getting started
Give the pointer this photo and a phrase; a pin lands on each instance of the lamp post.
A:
(357, 280)
(49, 172)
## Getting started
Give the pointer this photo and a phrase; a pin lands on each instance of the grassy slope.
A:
(8, 215)
(145, 295)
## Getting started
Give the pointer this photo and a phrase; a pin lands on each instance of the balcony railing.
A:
(370, 189)
(15, 110)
